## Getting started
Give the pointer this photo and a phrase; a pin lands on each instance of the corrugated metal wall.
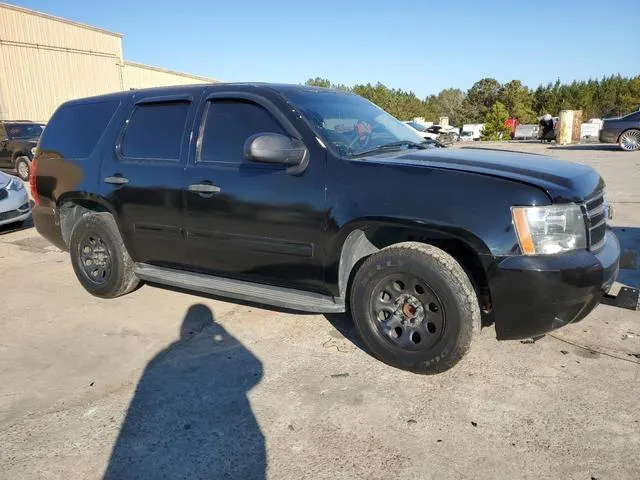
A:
(136, 75)
(45, 61)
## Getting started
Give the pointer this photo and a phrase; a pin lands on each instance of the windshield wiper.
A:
(389, 146)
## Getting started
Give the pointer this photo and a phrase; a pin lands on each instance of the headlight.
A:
(34, 151)
(15, 184)
(550, 229)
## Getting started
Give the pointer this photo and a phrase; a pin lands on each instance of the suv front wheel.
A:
(415, 307)
(99, 257)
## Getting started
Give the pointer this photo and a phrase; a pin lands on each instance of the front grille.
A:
(596, 220)
(11, 214)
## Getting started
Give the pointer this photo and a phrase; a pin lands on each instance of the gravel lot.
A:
(162, 384)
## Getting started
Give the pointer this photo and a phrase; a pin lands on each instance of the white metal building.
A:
(46, 60)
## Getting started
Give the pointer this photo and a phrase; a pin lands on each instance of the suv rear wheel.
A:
(99, 258)
(415, 308)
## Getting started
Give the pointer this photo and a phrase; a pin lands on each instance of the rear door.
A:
(251, 220)
(143, 176)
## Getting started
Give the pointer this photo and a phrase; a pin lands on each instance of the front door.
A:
(143, 177)
(249, 220)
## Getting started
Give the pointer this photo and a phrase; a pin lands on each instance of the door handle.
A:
(203, 188)
(116, 180)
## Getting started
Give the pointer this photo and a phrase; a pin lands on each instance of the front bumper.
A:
(16, 207)
(532, 295)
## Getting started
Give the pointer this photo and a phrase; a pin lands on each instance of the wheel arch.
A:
(363, 238)
(74, 205)
(625, 130)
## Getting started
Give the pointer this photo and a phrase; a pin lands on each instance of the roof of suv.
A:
(282, 88)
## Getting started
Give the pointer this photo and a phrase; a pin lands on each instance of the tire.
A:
(99, 257)
(629, 141)
(23, 168)
(438, 305)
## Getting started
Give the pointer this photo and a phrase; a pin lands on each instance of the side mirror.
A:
(276, 148)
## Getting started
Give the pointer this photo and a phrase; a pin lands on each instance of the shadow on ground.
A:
(190, 416)
(16, 227)
(630, 243)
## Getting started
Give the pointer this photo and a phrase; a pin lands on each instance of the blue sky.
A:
(423, 46)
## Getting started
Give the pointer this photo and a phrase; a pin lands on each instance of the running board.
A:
(241, 290)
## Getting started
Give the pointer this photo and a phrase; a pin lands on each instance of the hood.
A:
(562, 180)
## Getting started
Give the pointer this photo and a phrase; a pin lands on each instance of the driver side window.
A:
(227, 126)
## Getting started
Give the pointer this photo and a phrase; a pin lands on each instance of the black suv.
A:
(17, 141)
(317, 200)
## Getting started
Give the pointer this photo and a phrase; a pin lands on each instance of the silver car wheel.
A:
(630, 140)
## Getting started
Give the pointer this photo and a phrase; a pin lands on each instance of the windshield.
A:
(24, 130)
(350, 123)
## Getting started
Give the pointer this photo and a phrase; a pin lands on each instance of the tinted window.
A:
(227, 126)
(155, 131)
(24, 130)
(74, 129)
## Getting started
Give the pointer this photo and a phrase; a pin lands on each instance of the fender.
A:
(363, 237)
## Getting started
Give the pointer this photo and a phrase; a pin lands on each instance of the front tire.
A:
(99, 257)
(415, 307)
(630, 140)
(23, 168)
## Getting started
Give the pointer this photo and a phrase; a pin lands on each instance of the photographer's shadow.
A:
(190, 416)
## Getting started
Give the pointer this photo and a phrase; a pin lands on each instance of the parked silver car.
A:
(15, 205)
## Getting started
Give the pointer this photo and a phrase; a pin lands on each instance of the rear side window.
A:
(74, 130)
(228, 125)
(155, 131)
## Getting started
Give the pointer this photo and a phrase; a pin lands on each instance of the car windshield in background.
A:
(417, 126)
(352, 124)
(24, 130)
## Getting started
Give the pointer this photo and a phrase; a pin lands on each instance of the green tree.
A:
(494, 128)
(318, 82)
(517, 100)
(451, 103)
(481, 96)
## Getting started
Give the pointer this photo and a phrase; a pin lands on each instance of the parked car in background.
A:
(15, 206)
(422, 130)
(625, 131)
(18, 140)
(466, 136)
(476, 128)
(443, 135)
(526, 132)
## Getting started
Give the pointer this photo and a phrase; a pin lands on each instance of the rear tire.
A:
(23, 168)
(99, 257)
(630, 140)
(415, 307)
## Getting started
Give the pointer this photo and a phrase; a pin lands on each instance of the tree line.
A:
(487, 98)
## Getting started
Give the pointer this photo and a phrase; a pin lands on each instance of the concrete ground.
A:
(161, 384)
